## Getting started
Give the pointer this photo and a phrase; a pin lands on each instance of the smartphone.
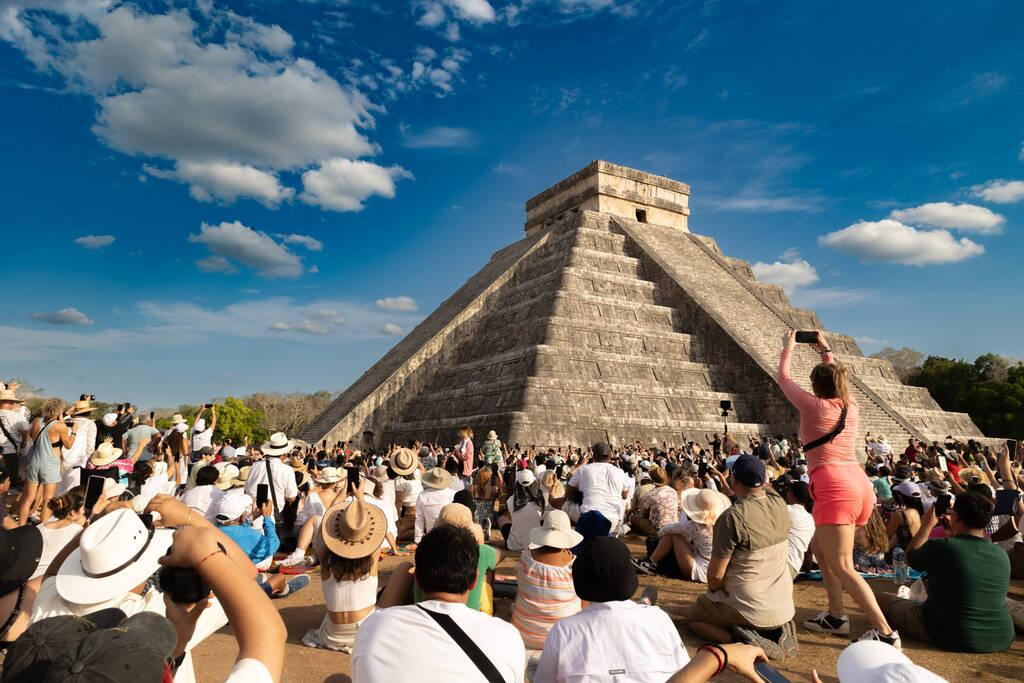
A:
(152, 414)
(262, 494)
(1011, 444)
(310, 463)
(769, 673)
(1006, 502)
(943, 503)
(207, 406)
(353, 477)
(942, 464)
(807, 337)
(702, 469)
(183, 585)
(93, 491)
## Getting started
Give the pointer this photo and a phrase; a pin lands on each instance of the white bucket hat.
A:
(525, 477)
(277, 444)
(232, 506)
(105, 454)
(115, 554)
(228, 477)
(556, 532)
(875, 662)
(703, 505)
(177, 419)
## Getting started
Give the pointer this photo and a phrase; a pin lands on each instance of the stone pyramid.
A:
(610, 321)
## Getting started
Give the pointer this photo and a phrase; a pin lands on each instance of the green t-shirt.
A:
(883, 489)
(487, 562)
(967, 582)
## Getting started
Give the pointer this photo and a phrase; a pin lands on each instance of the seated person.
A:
(525, 509)
(202, 496)
(437, 493)
(590, 645)
(446, 570)
(870, 544)
(658, 506)
(968, 577)
(232, 513)
(683, 550)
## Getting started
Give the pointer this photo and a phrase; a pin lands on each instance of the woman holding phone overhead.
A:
(843, 495)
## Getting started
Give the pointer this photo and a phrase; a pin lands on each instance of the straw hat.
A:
(79, 408)
(228, 477)
(556, 532)
(105, 454)
(379, 473)
(703, 505)
(9, 395)
(353, 529)
(277, 444)
(967, 473)
(437, 478)
(243, 475)
(177, 419)
(329, 475)
(458, 515)
(404, 461)
(492, 435)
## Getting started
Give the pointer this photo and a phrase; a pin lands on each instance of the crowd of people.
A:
(119, 537)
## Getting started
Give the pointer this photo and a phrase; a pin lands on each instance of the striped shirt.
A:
(545, 596)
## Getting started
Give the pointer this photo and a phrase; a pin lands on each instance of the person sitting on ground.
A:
(206, 457)
(545, 593)
(440, 635)
(683, 550)
(551, 487)
(436, 494)
(67, 522)
(232, 515)
(591, 525)
(145, 481)
(525, 508)
(968, 577)
(905, 521)
(350, 539)
(658, 507)
(603, 487)
(750, 588)
(611, 636)
(326, 483)
(870, 544)
(801, 523)
(481, 597)
(406, 465)
(201, 496)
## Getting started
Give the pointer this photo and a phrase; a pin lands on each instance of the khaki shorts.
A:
(907, 617)
(718, 613)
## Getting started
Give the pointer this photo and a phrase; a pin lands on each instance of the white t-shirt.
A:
(284, 480)
(201, 439)
(54, 540)
(16, 424)
(524, 520)
(410, 488)
(425, 647)
(202, 499)
(385, 491)
(801, 530)
(249, 670)
(428, 508)
(312, 507)
(607, 641)
(602, 485)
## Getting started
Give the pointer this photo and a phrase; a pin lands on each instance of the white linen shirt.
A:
(621, 640)
(801, 530)
(602, 485)
(284, 480)
(428, 508)
(427, 652)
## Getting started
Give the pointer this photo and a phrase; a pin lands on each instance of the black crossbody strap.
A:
(828, 438)
(14, 442)
(471, 649)
(270, 483)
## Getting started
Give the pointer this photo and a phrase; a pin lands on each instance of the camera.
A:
(183, 585)
(943, 503)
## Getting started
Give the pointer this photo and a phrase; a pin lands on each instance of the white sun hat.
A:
(115, 554)
(703, 505)
(556, 532)
(871, 661)
(277, 444)
(228, 475)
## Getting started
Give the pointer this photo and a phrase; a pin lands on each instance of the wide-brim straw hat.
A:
(79, 408)
(458, 515)
(492, 435)
(966, 473)
(9, 395)
(703, 505)
(404, 461)
(105, 454)
(277, 444)
(556, 532)
(228, 477)
(177, 419)
(329, 475)
(353, 529)
(437, 478)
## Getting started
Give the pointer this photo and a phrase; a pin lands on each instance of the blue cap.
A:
(749, 470)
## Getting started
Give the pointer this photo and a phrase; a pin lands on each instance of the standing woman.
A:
(464, 452)
(43, 469)
(843, 495)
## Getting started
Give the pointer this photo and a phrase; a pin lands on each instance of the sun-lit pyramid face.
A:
(614, 190)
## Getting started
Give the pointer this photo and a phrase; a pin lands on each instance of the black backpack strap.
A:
(14, 442)
(828, 438)
(471, 649)
(270, 483)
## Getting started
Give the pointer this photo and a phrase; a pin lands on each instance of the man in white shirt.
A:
(801, 524)
(14, 430)
(437, 493)
(604, 486)
(281, 476)
(613, 637)
(202, 436)
(412, 642)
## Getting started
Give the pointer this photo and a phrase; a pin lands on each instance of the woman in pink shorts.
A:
(843, 495)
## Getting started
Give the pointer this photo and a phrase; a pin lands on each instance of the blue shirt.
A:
(254, 544)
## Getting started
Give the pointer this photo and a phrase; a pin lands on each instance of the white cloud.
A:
(343, 184)
(404, 304)
(435, 12)
(439, 137)
(980, 86)
(890, 241)
(956, 216)
(829, 297)
(674, 79)
(225, 181)
(65, 316)
(477, 11)
(1000, 191)
(788, 275)
(327, 314)
(305, 326)
(870, 341)
(95, 241)
(698, 41)
(306, 241)
(234, 242)
(393, 329)
(765, 204)
(216, 264)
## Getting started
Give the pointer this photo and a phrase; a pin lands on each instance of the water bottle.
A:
(899, 567)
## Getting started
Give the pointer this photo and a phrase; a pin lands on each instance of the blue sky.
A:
(204, 199)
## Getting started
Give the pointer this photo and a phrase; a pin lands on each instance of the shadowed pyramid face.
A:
(600, 326)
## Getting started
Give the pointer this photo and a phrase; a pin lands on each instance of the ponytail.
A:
(62, 506)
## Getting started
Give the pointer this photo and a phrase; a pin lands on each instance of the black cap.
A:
(20, 550)
(206, 450)
(30, 656)
(602, 451)
(749, 470)
(603, 571)
(135, 650)
(902, 472)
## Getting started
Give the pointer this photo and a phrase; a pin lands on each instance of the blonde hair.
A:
(466, 432)
(831, 380)
(875, 538)
(550, 481)
(483, 476)
(53, 409)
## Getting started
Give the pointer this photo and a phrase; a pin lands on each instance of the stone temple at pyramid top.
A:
(616, 190)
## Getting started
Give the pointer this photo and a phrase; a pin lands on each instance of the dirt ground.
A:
(304, 611)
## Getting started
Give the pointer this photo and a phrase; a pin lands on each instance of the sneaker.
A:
(826, 623)
(645, 566)
(297, 557)
(788, 641)
(294, 586)
(891, 639)
(772, 650)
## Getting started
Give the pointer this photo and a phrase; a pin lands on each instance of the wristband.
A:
(824, 351)
(718, 658)
(220, 549)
